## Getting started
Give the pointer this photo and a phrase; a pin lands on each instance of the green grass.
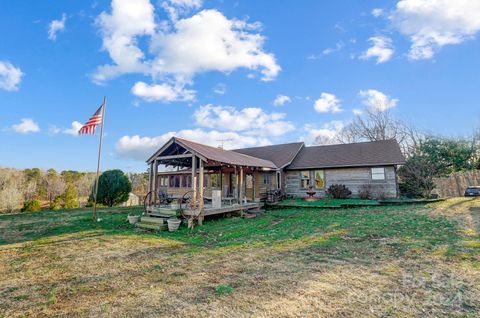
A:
(402, 226)
(287, 262)
(29, 226)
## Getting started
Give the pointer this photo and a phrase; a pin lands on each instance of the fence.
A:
(454, 185)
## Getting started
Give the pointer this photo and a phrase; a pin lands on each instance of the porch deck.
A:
(209, 210)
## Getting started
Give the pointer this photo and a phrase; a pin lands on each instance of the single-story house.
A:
(248, 173)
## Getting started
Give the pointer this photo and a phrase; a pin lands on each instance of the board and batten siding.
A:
(353, 178)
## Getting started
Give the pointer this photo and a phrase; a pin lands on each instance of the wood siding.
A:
(353, 178)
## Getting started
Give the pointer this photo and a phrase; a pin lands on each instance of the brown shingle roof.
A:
(281, 155)
(374, 153)
(225, 156)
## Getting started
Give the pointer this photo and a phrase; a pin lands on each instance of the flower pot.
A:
(173, 224)
(132, 219)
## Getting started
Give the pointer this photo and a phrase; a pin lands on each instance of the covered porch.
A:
(231, 180)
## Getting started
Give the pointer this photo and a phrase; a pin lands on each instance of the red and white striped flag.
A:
(91, 124)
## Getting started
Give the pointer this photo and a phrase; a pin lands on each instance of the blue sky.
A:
(245, 72)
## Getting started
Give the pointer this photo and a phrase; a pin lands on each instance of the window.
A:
(319, 179)
(279, 180)
(378, 173)
(266, 178)
(186, 181)
(174, 182)
(164, 181)
(215, 180)
(304, 179)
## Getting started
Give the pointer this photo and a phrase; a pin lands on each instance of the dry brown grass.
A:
(87, 274)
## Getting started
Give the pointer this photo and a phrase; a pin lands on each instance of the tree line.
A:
(427, 156)
(33, 189)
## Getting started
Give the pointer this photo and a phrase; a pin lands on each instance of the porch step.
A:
(153, 220)
(152, 226)
(163, 212)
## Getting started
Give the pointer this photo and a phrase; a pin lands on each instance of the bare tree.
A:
(10, 190)
(139, 183)
(374, 125)
(84, 186)
(54, 184)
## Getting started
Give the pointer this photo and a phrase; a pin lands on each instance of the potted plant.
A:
(132, 219)
(173, 224)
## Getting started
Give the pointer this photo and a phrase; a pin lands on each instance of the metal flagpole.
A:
(99, 159)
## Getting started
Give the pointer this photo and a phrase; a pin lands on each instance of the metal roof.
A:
(219, 155)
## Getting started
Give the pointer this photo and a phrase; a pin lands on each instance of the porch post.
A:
(194, 180)
(241, 185)
(200, 194)
(150, 178)
(238, 186)
(254, 185)
(155, 182)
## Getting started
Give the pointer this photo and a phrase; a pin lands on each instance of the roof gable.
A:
(281, 155)
(208, 153)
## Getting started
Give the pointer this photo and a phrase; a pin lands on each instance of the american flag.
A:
(91, 124)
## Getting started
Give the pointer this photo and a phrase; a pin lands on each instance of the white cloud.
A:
(179, 49)
(10, 76)
(377, 12)
(175, 8)
(141, 148)
(327, 103)
(56, 26)
(251, 120)
(208, 41)
(220, 89)
(432, 24)
(26, 126)
(377, 100)
(162, 92)
(73, 130)
(338, 47)
(128, 20)
(323, 135)
(381, 49)
(281, 100)
(357, 112)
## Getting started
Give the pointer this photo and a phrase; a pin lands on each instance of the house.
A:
(247, 174)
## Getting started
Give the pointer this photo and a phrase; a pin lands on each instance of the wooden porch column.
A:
(200, 194)
(155, 182)
(194, 180)
(241, 186)
(254, 185)
(150, 172)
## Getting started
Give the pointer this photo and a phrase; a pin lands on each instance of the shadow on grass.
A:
(25, 227)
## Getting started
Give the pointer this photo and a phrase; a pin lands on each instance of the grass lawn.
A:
(406, 261)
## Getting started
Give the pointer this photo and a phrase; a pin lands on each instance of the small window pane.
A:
(266, 178)
(305, 179)
(319, 179)
(378, 173)
(215, 180)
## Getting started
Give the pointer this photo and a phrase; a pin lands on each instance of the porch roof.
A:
(211, 154)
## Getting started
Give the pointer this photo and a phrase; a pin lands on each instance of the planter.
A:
(133, 219)
(173, 224)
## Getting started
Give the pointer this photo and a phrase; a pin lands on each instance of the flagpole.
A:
(99, 159)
